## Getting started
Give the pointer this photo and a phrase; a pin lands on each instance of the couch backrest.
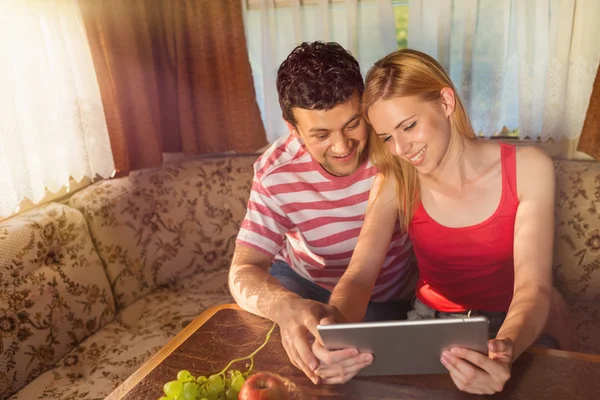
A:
(53, 291)
(577, 236)
(162, 224)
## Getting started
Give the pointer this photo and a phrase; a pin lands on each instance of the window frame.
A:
(255, 4)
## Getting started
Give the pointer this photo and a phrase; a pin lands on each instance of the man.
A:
(307, 205)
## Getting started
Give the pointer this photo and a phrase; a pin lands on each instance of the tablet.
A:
(407, 347)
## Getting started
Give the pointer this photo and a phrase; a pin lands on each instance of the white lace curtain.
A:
(273, 28)
(52, 124)
(526, 64)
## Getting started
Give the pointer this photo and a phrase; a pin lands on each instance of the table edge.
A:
(573, 355)
(166, 350)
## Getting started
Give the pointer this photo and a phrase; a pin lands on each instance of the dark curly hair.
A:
(317, 76)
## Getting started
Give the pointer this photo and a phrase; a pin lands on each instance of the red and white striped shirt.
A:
(302, 215)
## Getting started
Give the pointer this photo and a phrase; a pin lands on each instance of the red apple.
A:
(264, 386)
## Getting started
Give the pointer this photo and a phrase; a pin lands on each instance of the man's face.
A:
(335, 138)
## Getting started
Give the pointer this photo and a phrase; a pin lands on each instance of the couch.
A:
(92, 287)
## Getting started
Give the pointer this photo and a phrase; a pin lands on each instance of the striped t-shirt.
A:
(301, 214)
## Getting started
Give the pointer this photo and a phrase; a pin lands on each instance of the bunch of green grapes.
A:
(186, 387)
(225, 385)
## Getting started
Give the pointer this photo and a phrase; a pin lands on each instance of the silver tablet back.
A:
(407, 347)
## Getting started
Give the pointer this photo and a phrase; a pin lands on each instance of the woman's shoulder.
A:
(533, 157)
(384, 186)
(535, 169)
(488, 149)
(488, 153)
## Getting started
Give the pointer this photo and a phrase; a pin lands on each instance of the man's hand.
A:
(338, 366)
(476, 373)
(299, 318)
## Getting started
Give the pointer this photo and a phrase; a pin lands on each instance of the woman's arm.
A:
(528, 311)
(533, 249)
(351, 295)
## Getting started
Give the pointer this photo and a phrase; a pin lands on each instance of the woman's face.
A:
(415, 130)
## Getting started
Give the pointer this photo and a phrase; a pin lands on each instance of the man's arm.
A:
(253, 288)
(256, 291)
(261, 236)
(352, 294)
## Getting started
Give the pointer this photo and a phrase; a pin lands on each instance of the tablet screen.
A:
(407, 347)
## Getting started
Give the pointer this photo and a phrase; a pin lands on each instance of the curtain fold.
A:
(526, 65)
(174, 77)
(120, 40)
(52, 124)
(366, 28)
(589, 142)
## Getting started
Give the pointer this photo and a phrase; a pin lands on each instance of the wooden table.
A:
(226, 332)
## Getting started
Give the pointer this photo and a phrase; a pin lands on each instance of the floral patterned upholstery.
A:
(577, 246)
(103, 361)
(158, 226)
(53, 292)
(150, 229)
(577, 236)
(586, 315)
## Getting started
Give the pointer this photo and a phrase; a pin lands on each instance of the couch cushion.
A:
(53, 291)
(586, 315)
(159, 225)
(106, 359)
(577, 236)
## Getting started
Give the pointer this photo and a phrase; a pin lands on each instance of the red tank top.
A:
(469, 268)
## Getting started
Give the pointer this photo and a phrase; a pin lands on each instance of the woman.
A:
(480, 215)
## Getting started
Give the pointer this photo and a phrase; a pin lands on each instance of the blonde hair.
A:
(408, 73)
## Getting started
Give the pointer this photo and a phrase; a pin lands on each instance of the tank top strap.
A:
(508, 156)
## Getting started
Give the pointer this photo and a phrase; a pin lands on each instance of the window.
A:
(274, 28)
(401, 19)
(52, 124)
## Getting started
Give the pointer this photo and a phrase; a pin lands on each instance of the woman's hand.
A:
(476, 373)
(338, 366)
